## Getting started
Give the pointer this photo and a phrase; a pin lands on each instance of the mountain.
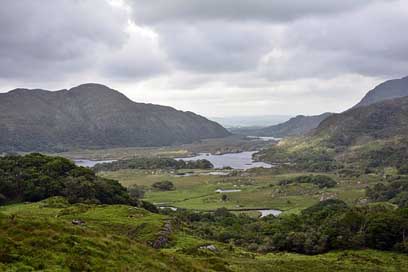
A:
(362, 138)
(380, 120)
(387, 90)
(299, 125)
(93, 116)
(296, 126)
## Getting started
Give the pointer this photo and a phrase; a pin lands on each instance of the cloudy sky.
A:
(213, 57)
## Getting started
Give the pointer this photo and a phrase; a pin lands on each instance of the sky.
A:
(218, 58)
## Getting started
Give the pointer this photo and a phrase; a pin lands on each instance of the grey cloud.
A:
(50, 38)
(154, 11)
(213, 46)
(140, 58)
(368, 42)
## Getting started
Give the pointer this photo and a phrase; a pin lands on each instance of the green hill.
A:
(42, 237)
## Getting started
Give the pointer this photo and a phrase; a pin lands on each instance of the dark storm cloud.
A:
(154, 11)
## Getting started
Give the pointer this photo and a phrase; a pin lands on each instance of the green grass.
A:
(259, 190)
(41, 237)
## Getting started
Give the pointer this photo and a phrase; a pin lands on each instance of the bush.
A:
(320, 180)
(136, 191)
(163, 185)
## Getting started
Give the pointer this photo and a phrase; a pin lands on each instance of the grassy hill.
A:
(41, 236)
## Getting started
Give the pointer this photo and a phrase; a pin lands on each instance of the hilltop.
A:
(387, 90)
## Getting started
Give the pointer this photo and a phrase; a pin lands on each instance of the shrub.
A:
(320, 180)
(163, 185)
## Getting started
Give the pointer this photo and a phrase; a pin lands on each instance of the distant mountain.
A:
(299, 125)
(387, 90)
(93, 116)
(296, 126)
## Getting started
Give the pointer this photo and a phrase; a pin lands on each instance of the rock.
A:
(209, 247)
(163, 236)
(160, 242)
(78, 222)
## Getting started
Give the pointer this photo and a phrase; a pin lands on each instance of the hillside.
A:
(41, 237)
(299, 125)
(296, 126)
(93, 116)
(362, 138)
(381, 120)
(387, 90)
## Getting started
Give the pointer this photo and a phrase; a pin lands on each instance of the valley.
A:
(333, 193)
(203, 136)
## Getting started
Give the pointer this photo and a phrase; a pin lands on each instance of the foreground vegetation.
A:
(41, 236)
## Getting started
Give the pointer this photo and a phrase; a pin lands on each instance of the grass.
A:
(41, 237)
(258, 190)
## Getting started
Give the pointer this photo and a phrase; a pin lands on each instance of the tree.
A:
(136, 191)
(224, 197)
(163, 185)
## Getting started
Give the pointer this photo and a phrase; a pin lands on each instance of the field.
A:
(41, 236)
(259, 189)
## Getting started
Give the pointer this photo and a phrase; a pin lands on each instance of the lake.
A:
(90, 163)
(269, 212)
(266, 139)
(242, 160)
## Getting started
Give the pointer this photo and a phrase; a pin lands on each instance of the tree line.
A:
(328, 225)
(34, 177)
(153, 163)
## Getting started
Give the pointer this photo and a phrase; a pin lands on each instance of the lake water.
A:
(269, 212)
(242, 160)
(90, 163)
(227, 190)
(264, 138)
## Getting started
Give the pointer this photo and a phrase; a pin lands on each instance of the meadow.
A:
(259, 189)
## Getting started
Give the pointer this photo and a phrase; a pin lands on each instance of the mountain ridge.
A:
(93, 116)
(389, 89)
